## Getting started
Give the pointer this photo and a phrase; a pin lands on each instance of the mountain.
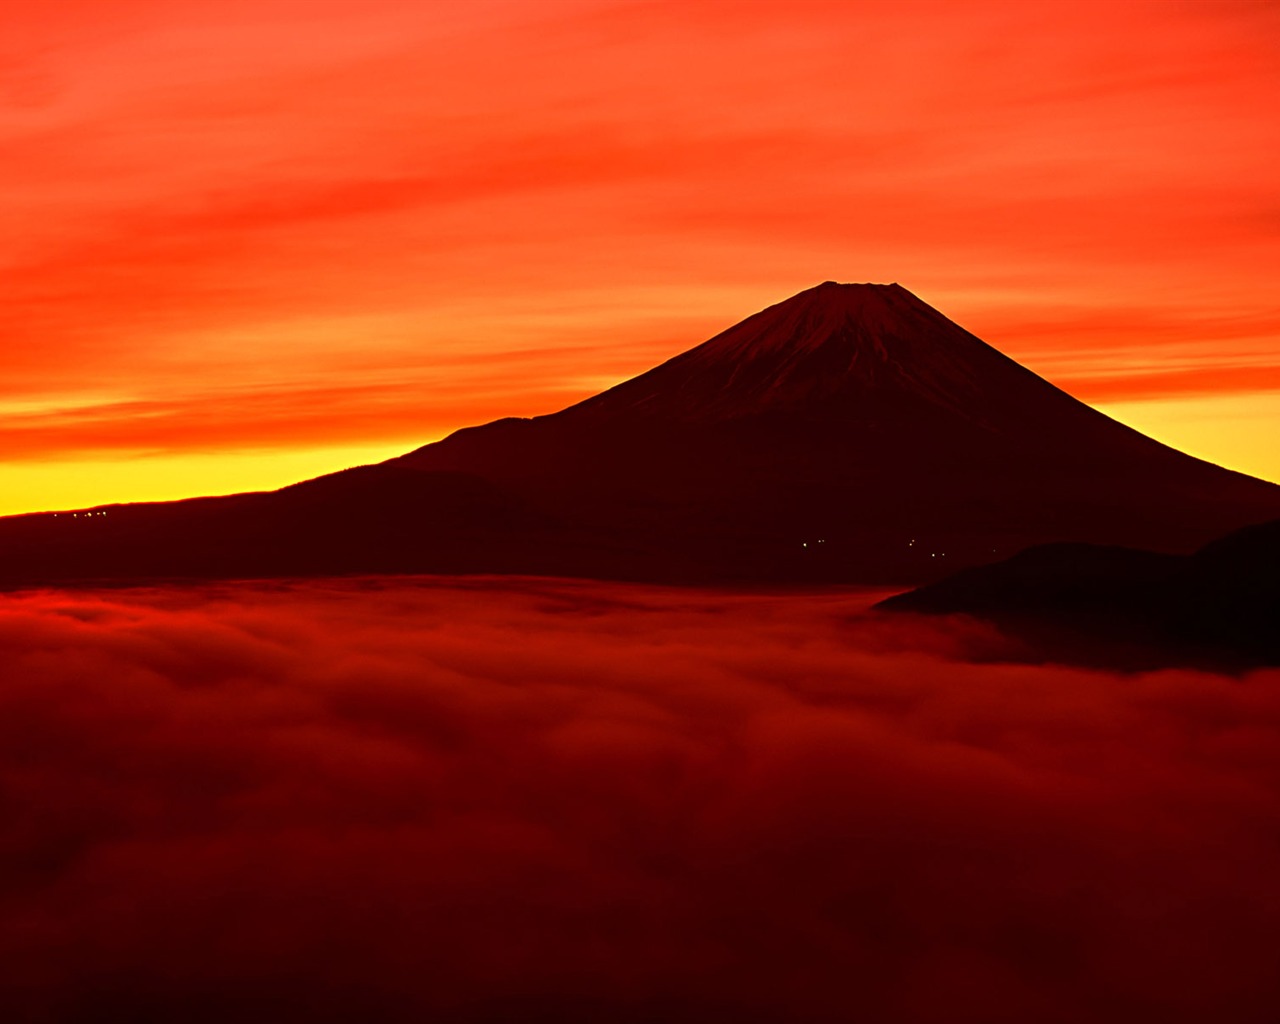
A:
(1218, 607)
(850, 433)
(857, 420)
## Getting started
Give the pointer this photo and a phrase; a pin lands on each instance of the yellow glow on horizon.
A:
(1237, 431)
(84, 483)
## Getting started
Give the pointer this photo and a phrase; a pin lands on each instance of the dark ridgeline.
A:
(849, 434)
(1087, 604)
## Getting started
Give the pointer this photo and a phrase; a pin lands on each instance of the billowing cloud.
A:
(476, 800)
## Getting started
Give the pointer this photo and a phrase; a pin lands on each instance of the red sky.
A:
(244, 243)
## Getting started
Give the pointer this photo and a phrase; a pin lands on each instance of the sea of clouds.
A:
(527, 800)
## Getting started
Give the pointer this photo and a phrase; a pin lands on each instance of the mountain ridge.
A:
(850, 433)
(1216, 607)
(848, 333)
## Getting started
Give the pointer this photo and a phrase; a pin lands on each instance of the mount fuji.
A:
(850, 433)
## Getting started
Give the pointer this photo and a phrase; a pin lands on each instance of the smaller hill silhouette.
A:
(1218, 607)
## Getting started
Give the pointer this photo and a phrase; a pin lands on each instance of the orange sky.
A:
(247, 242)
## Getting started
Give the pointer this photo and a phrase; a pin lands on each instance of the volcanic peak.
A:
(829, 343)
(853, 415)
(817, 316)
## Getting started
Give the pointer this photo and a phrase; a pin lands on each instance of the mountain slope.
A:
(850, 433)
(858, 416)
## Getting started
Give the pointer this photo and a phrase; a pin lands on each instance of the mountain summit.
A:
(858, 357)
(850, 433)
(823, 352)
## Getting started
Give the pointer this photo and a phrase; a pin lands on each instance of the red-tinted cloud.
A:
(559, 801)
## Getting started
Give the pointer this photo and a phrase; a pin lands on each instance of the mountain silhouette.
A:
(1081, 603)
(851, 433)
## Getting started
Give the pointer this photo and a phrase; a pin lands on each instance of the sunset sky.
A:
(243, 243)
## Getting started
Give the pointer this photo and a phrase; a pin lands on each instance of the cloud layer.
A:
(473, 801)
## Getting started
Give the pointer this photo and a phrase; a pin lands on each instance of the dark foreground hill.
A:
(1080, 603)
(849, 434)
